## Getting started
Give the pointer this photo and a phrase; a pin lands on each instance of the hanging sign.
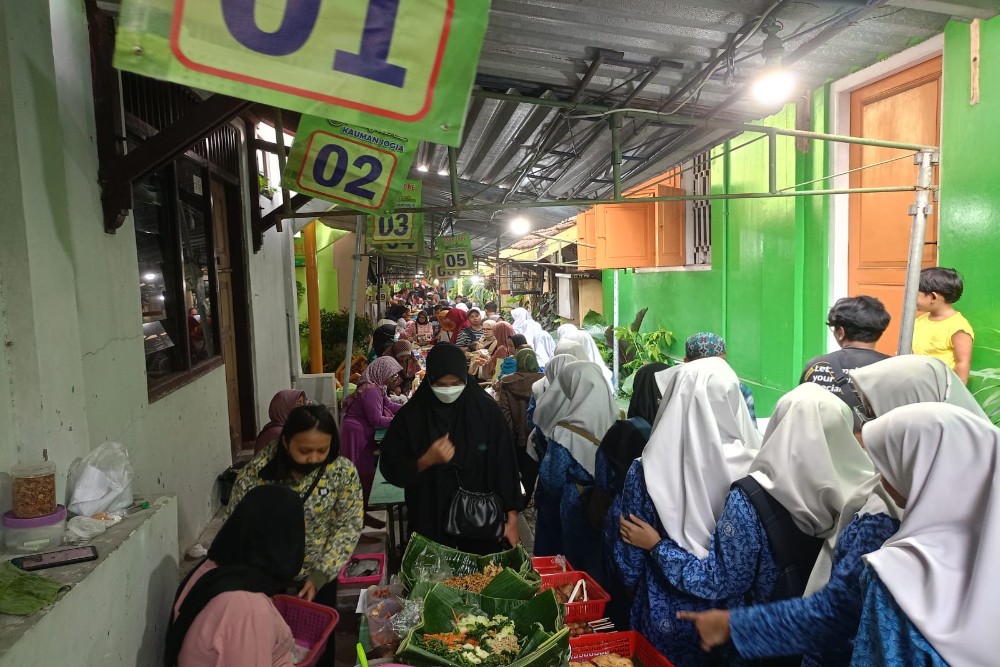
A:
(414, 247)
(437, 270)
(400, 225)
(361, 168)
(455, 252)
(403, 65)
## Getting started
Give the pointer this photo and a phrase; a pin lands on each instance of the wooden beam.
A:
(271, 218)
(974, 62)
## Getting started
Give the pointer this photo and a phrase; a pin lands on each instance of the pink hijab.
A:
(376, 375)
(281, 406)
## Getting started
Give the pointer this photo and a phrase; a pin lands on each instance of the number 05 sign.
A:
(410, 63)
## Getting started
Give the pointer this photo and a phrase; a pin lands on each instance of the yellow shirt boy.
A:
(934, 338)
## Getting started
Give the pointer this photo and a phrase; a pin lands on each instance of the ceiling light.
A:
(442, 172)
(422, 167)
(520, 226)
(475, 280)
(774, 86)
(149, 276)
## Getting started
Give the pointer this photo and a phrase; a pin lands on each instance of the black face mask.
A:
(303, 468)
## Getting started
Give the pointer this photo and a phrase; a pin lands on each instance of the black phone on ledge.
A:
(55, 558)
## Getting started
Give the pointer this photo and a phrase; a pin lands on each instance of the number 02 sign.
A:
(410, 63)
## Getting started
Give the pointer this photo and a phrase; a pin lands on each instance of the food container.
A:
(25, 536)
(34, 489)
(377, 559)
(628, 644)
(379, 617)
(597, 597)
(551, 564)
(310, 623)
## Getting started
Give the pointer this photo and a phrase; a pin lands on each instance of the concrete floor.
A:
(346, 633)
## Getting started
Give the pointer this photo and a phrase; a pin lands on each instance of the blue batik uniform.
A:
(668, 579)
(820, 627)
(561, 526)
(886, 637)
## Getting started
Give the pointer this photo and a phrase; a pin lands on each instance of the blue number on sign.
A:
(296, 26)
(402, 224)
(340, 169)
(370, 61)
(384, 225)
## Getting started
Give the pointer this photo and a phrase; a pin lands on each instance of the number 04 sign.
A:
(410, 63)
(361, 168)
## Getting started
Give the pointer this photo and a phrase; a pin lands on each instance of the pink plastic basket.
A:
(363, 581)
(311, 624)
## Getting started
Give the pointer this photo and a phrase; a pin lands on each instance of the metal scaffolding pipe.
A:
(772, 162)
(359, 238)
(453, 175)
(279, 129)
(616, 156)
(914, 263)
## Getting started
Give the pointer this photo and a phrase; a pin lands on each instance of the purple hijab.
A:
(281, 406)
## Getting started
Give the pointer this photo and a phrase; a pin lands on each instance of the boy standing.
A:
(941, 331)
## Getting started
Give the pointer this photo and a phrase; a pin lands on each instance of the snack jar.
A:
(34, 489)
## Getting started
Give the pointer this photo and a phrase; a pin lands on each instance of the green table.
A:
(385, 495)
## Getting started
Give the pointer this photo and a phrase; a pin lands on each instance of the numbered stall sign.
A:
(456, 260)
(403, 65)
(400, 225)
(436, 270)
(361, 168)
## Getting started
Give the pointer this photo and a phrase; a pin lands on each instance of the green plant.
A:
(264, 186)
(643, 347)
(594, 318)
(987, 393)
(546, 315)
(300, 289)
(333, 329)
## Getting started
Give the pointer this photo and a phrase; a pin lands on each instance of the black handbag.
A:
(475, 515)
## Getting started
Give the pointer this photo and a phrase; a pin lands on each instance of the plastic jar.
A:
(25, 536)
(34, 489)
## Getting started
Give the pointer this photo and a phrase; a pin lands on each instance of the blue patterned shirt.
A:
(821, 627)
(886, 637)
(668, 579)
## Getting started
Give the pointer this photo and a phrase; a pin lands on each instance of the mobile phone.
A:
(55, 558)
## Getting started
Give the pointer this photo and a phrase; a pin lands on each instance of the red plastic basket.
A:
(363, 582)
(591, 610)
(311, 624)
(628, 644)
(548, 565)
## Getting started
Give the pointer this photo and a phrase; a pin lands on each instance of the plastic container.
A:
(550, 564)
(379, 617)
(34, 490)
(363, 582)
(628, 644)
(311, 624)
(592, 609)
(25, 536)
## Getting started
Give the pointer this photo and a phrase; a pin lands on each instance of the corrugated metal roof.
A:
(646, 52)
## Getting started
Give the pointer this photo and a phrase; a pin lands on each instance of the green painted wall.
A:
(329, 298)
(969, 235)
(768, 272)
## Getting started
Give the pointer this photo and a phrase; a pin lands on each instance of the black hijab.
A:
(646, 396)
(383, 337)
(259, 549)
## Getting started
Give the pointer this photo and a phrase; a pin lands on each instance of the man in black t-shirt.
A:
(857, 324)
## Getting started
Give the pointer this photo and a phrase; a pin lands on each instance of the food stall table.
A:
(385, 495)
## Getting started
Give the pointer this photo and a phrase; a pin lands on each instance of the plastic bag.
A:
(430, 566)
(407, 618)
(82, 529)
(101, 481)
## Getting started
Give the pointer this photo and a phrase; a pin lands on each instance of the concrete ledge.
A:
(116, 612)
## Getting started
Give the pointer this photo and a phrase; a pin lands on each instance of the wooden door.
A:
(586, 236)
(671, 232)
(227, 333)
(903, 107)
(626, 235)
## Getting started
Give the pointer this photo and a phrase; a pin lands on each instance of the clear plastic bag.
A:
(431, 566)
(101, 481)
(407, 618)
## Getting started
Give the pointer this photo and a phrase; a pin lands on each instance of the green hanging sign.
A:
(400, 224)
(360, 168)
(455, 253)
(403, 65)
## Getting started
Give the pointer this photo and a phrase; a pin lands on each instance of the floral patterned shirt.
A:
(334, 512)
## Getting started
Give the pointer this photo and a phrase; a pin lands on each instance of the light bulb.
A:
(774, 86)
(150, 276)
(422, 167)
(520, 226)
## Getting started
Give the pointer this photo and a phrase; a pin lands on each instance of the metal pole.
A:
(918, 230)
(453, 175)
(279, 141)
(359, 237)
(772, 162)
(615, 336)
(616, 155)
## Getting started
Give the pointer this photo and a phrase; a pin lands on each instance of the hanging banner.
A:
(362, 169)
(436, 270)
(399, 225)
(455, 252)
(414, 247)
(403, 65)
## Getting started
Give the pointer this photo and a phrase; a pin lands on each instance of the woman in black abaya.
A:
(451, 432)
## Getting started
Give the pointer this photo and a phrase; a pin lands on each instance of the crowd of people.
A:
(858, 529)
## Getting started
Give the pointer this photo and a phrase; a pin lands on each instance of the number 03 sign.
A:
(410, 63)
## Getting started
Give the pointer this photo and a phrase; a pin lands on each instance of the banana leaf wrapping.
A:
(518, 581)
(538, 623)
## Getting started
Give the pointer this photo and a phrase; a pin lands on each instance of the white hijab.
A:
(462, 307)
(556, 364)
(580, 397)
(941, 567)
(565, 329)
(572, 348)
(810, 461)
(591, 350)
(886, 385)
(704, 440)
(545, 347)
(911, 378)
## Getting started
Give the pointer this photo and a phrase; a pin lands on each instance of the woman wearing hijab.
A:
(420, 330)
(282, 404)
(544, 347)
(573, 415)
(488, 341)
(487, 368)
(536, 441)
(365, 411)
(451, 435)
(223, 614)
(776, 519)
(513, 395)
(702, 441)
(930, 590)
(525, 325)
(822, 625)
(621, 445)
(402, 352)
(382, 339)
(445, 327)
(469, 337)
(572, 348)
(307, 460)
(459, 320)
(565, 329)
(586, 341)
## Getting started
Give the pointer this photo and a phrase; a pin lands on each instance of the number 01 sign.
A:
(410, 63)
(361, 168)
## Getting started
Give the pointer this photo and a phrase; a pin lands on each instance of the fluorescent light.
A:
(149, 276)
(774, 86)
(442, 172)
(520, 226)
(422, 167)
